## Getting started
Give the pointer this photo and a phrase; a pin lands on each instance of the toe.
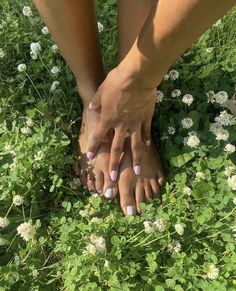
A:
(83, 177)
(127, 201)
(110, 189)
(91, 182)
(148, 190)
(155, 187)
(139, 195)
(99, 182)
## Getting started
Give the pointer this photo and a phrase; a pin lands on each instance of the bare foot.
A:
(137, 189)
(94, 173)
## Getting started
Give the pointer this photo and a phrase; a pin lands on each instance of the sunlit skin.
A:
(124, 100)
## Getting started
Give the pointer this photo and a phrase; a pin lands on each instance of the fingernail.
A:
(90, 155)
(137, 170)
(90, 105)
(108, 193)
(131, 210)
(148, 142)
(114, 175)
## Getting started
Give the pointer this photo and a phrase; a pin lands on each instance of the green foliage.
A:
(38, 167)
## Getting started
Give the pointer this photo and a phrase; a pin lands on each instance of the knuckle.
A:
(116, 149)
(137, 147)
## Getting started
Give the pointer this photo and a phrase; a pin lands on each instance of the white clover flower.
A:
(27, 11)
(148, 226)
(159, 96)
(229, 148)
(229, 171)
(90, 249)
(173, 74)
(159, 224)
(176, 93)
(232, 182)
(99, 243)
(3, 241)
(35, 49)
(222, 134)
(166, 77)
(26, 231)
(210, 97)
(187, 122)
(39, 156)
(4, 222)
(55, 70)
(221, 97)
(234, 201)
(21, 67)
(100, 27)
(209, 50)
(213, 272)
(171, 130)
(18, 200)
(179, 229)
(187, 99)
(187, 191)
(96, 220)
(7, 147)
(174, 247)
(54, 86)
(54, 48)
(83, 213)
(75, 183)
(215, 127)
(2, 54)
(45, 30)
(192, 141)
(200, 176)
(14, 164)
(225, 118)
(26, 130)
(29, 122)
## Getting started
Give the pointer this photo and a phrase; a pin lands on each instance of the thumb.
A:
(95, 103)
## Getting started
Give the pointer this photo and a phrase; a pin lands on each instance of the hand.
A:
(127, 107)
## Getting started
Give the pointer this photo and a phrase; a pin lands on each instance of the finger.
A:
(95, 103)
(115, 153)
(136, 147)
(146, 132)
(96, 140)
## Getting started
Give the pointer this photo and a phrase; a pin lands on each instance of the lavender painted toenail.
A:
(90, 155)
(108, 193)
(131, 210)
(114, 175)
(137, 170)
(148, 142)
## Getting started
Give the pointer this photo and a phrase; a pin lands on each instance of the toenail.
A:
(148, 142)
(137, 170)
(114, 175)
(90, 155)
(160, 181)
(90, 105)
(108, 193)
(131, 210)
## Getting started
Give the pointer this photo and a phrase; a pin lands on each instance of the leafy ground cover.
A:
(53, 234)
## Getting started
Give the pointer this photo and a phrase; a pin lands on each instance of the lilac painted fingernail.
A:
(90, 155)
(137, 170)
(114, 175)
(131, 210)
(148, 142)
(108, 193)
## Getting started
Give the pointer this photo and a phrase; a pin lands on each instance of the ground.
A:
(59, 237)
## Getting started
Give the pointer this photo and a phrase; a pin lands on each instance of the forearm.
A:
(171, 28)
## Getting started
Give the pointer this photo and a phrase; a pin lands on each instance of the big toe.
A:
(127, 201)
(110, 188)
